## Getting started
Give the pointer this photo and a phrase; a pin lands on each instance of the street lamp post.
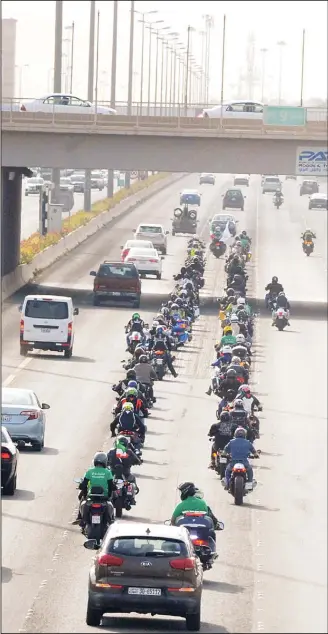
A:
(302, 67)
(71, 28)
(166, 74)
(91, 63)
(264, 52)
(281, 45)
(143, 22)
(158, 31)
(162, 75)
(131, 46)
(189, 30)
(150, 27)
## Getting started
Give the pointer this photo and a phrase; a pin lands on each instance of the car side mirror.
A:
(167, 522)
(76, 311)
(93, 273)
(91, 544)
(45, 406)
(220, 526)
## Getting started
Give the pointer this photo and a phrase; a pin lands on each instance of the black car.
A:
(233, 199)
(9, 459)
(309, 187)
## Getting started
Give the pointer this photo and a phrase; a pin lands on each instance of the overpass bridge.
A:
(170, 144)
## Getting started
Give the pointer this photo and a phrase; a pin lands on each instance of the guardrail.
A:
(158, 126)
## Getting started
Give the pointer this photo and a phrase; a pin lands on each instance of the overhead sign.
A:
(311, 161)
(284, 116)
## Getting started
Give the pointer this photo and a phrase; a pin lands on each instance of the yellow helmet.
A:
(227, 330)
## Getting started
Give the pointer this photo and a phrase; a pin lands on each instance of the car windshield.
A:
(190, 192)
(149, 229)
(17, 397)
(272, 179)
(46, 309)
(117, 270)
(147, 547)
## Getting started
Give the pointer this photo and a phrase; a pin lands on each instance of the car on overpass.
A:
(318, 201)
(64, 102)
(244, 109)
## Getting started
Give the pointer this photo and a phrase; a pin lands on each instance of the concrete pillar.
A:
(11, 188)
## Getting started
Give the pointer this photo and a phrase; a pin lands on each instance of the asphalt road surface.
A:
(271, 572)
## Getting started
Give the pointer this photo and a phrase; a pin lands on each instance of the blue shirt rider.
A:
(239, 449)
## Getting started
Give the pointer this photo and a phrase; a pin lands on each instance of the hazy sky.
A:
(270, 21)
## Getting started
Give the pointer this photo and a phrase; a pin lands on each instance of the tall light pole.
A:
(150, 28)
(91, 64)
(71, 28)
(162, 74)
(264, 52)
(114, 56)
(143, 22)
(166, 73)
(130, 80)
(172, 68)
(302, 67)
(209, 22)
(158, 31)
(57, 83)
(223, 64)
(97, 59)
(189, 30)
(281, 45)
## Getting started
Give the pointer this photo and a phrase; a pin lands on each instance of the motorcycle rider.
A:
(235, 267)
(273, 288)
(162, 342)
(224, 356)
(222, 432)
(97, 476)
(308, 236)
(146, 374)
(241, 372)
(282, 302)
(238, 414)
(239, 283)
(228, 339)
(131, 396)
(128, 421)
(190, 501)
(230, 385)
(136, 324)
(278, 196)
(122, 385)
(120, 459)
(239, 450)
(249, 400)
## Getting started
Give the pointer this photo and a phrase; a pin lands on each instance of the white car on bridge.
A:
(63, 102)
(235, 109)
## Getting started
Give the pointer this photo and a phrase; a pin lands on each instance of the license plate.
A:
(223, 460)
(45, 329)
(155, 592)
(116, 294)
(5, 418)
(159, 361)
(249, 486)
(95, 519)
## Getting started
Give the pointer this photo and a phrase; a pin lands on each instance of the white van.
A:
(271, 184)
(47, 323)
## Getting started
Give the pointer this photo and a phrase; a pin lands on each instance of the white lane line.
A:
(19, 368)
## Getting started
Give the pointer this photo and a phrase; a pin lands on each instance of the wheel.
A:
(68, 353)
(193, 621)
(23, 351)
(93, 616)
(164, 251)
(94, 531)
(38, 446)
(241, 208)
(173, 232)
(96, 300)
(136, 303)
(10, 487)
(159, 276)
(239, 490)
(118, 507)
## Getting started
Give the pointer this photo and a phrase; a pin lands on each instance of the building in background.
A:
(8, 58)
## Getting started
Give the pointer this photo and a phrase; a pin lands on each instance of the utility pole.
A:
(87, 186)
(110, 175)
(130, 81)
(57, 83)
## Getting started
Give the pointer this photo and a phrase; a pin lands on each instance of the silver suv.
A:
(155, 233)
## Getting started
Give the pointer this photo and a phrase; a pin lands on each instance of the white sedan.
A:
(235, 109)
(138, 244)
(146, 261)
(63, 102)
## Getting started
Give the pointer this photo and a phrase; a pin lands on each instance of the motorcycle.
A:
(272, 302)
(180, 332)
(218, 248)
(239, 486)
(281, 320)
(135, 339)
(308, 247)
(220, 461)
(159, 364)
(123, 496)
(277, 201)
(200, 526)
(97, 513)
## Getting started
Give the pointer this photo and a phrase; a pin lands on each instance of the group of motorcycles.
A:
(150, 347)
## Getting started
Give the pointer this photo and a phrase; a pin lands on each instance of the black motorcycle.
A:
(123, 496)
(201, 530)
(218, 248)
(95, 511)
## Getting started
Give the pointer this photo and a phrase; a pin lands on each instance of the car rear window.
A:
(147, 547)
(272, 179)
(233, 192)
(46, 309)
(146, 252)
(17, 397)
(117, 271)
(150, 229)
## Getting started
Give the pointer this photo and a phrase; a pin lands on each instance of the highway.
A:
(30, 208)
(271, 570)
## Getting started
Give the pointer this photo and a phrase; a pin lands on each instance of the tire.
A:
(193, 621)
(23, 351)
(136, 303)
(26, 194)
(10, 487)
(96, 300)
(94, 531)
(280, 327)
(241, 208)
(173, 232)
(93, 617)
(159, 276)
(38, 446)
(239, 490)
(118, 507)
(164, 251)
(68, 353)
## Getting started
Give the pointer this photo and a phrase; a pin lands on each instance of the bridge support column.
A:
(11, 187)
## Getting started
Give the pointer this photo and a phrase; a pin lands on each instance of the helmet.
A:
(131, 374)
(179, 301)
(231, 373)
(100, 459)
(143, 358)
(234, 319)
(225, 417)
(241, 301)
(281, 294)
(240, 339)
(140, 349)
(135, 316)
(235, 360)
(131, 391)
(175, 306)
(245, 389)
(238, 243)
(122, 440)
(227, 330)
(133, 384)
(183, 293)
(226, 350)
(189, 286)
(239, 404)
(237, 278)
(244, 233)
(274, 279)
(187, 489)
(127, 407)
(230, 292)
(240, 432)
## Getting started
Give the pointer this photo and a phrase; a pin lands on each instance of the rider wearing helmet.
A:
(128, 421)
(230, 385)
(238, 414)
(282, 302)
(136, 324)
(162, 342)
(308, 235)
(121, 458)
(222, 432)
(239, 450)
(190, 501)
(273, 288)
(97, 476)
(228, 338)
(122, 385)
(131, 396)
(146, 375)
(249, 400)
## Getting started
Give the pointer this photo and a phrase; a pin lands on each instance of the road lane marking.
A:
(19, 368)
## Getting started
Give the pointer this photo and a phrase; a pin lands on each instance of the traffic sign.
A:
(284, 116)
(311, 161)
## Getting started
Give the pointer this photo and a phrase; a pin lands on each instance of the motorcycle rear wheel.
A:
(239, 490)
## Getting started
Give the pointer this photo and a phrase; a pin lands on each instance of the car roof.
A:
(19, 389)
(134, 529)
(190, 191)
(309, 180)
(149, 224)
(233, 189)
(55, 298)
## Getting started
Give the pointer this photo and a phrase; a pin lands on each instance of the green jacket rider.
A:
(191, 500)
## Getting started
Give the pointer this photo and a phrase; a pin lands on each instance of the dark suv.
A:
(146, 569)
(309, 187)
(233, 199)
(116, 281)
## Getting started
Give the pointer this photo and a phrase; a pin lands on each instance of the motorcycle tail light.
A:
(240, 470)
(200, 542)
(96, 506)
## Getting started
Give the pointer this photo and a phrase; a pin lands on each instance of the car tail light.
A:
(96, 506)
(31, 414)
(183, 564)
(154, 261)
(110, 560)
(5, 455)
(23, 109)
(22, 325)
(200, 542)
(70, 328)
(96, 287)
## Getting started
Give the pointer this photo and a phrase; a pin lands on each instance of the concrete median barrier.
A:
(24, 273)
